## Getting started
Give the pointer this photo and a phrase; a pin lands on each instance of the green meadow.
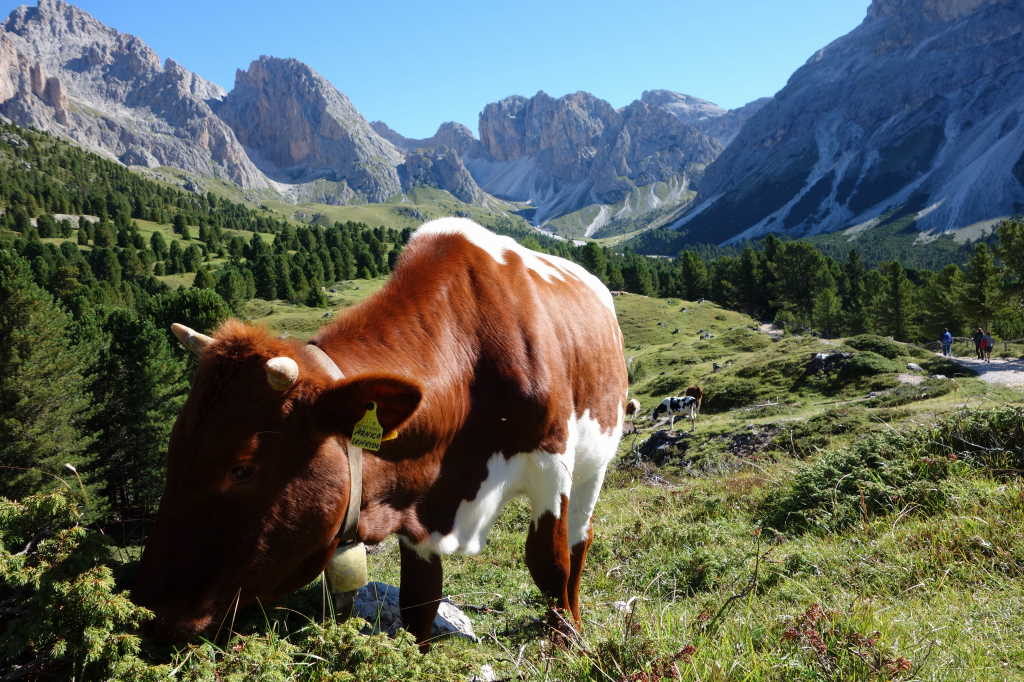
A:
(860, 523)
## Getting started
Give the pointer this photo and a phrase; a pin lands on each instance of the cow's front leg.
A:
(419, 594)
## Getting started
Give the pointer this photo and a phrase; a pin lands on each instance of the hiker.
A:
(987, 344)
(977, 337)
(947, 343)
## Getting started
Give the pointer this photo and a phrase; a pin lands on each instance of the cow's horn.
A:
(190, 338)
(282, 372)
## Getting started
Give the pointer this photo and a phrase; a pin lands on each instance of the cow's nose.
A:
(166, 628)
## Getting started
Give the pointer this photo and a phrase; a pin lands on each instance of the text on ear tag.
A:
(367, 433)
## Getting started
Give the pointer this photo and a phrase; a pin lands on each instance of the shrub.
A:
(666, 384)
(866, 364)
(742, 339)
(833, 645)
(801, 439)
(940, 365)
(885, 347)
(63, 617)
(725, 392)
(896, 469)
(908, 393)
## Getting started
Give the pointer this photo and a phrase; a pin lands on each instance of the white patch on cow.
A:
(550, 268)
(540, 476)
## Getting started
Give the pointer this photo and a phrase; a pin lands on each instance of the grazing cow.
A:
(688, 404)
(499, 370)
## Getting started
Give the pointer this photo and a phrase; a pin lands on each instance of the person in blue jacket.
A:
(947, 343)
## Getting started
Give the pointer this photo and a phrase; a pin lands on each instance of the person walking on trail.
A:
(987, 344)
(947, 343)
(977, 337)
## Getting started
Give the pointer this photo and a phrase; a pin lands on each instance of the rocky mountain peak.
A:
(685, 107)
(450, 134)
(298, 127)
(914, 116)
(109, 92)
(942, 10)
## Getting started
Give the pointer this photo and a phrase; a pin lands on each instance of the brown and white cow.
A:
(501, 369)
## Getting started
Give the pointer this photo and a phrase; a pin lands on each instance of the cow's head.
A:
(257, 475)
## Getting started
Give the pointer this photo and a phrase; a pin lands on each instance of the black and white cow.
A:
(688, 404)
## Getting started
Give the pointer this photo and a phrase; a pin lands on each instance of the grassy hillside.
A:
(643, 208)
(855, 524)
(411, 209)
(908, 590)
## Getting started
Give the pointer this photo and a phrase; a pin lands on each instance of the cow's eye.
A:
(242, 472)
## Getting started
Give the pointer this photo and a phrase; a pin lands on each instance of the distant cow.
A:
(501, 372)
(688, 404)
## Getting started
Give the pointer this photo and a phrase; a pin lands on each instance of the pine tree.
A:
(750, 283)
(179, 226)
(158, 245)
(693, 273)
(203, 280)
(138, 389)
(942, 309)
(594, 259)
(316, 297)
(852, 294)
(231, 286)
(43, 390)
(982, 293)
(1011, 250)
(201, 309)
(828, 312)
(895, 308)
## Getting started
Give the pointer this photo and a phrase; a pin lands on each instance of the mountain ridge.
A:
(285, 128)
(915, 115)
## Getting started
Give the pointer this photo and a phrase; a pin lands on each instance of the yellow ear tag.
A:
(367, 433)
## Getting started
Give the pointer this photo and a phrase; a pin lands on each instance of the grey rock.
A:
(299, 128)
(66, 73)
(827, 362)
(665, 446)
(565, 153)
(918, 112)
(452, 135)
(914, 367)
(485, 674)
(440, 167)
(377, 603)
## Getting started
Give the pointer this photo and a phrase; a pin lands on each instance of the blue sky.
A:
(415, 64)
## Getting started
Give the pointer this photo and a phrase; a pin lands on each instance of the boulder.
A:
(377, 603)
(664, 446)
(827, 362)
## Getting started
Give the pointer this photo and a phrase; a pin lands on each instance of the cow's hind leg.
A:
(419, 594)
(594, 451)
(581, 534)
(547, 482)
(547, 557)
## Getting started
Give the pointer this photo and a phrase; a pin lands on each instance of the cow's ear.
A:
(341, 406)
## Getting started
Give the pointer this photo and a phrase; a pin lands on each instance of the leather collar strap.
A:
(347, 536)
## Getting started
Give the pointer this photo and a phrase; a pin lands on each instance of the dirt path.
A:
(999, 371)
